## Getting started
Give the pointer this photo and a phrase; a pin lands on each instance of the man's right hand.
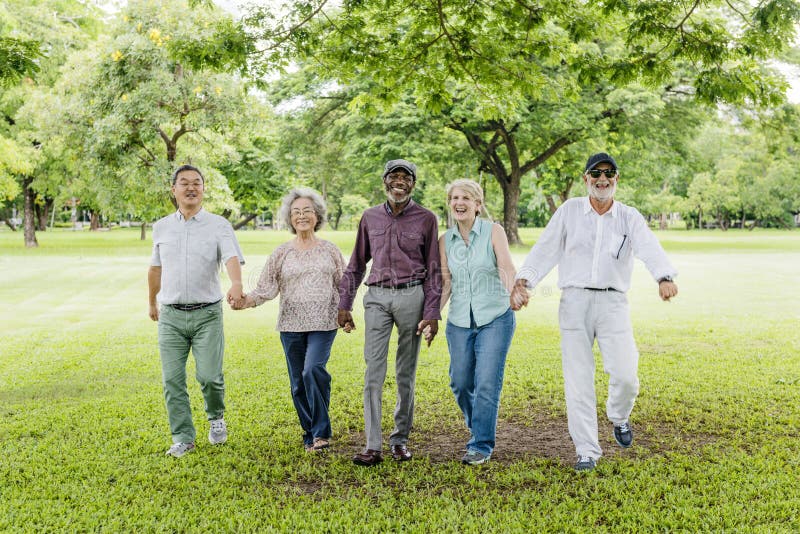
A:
(154, 312)
(345, 320)
(519, 295)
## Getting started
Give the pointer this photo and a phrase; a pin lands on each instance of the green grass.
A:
(84, 429)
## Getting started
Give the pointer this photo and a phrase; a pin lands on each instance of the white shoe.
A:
(218, 433)
(179, 449)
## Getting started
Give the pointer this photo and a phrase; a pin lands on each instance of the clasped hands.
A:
(239, 300)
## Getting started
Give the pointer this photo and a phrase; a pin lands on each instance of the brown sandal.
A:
(320, 444)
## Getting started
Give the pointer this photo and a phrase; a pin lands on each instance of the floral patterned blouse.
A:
(308, 281)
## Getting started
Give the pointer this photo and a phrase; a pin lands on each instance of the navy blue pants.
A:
(307, 354)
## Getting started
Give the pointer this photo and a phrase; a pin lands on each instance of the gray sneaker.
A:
(218, 433)
(475, 458)
(179, 449)
(585, 463)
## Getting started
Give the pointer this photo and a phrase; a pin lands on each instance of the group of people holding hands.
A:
(412, 276)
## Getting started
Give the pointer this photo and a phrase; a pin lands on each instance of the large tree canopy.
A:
(522, 81)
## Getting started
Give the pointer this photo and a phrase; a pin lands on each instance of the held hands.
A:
(237, 299)
(667, 289)
(428, 328)
(345, 321)
(519, 295)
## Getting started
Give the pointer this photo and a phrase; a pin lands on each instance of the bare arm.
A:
(234, 269)
(153, 286)
(505, 266)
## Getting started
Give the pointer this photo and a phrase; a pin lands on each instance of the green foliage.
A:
(17, 59)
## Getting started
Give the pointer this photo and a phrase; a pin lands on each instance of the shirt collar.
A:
(476, 229)
(199, 215)
(388, 208)
(587, 207)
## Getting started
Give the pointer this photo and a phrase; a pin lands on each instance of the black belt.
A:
(601, 289)
(399, 286)
(192, 307)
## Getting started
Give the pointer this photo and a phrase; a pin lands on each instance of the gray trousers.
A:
(384, 308)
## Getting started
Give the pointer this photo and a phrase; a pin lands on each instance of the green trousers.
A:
(200, 331)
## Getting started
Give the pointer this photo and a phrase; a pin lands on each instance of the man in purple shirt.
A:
(405, 285)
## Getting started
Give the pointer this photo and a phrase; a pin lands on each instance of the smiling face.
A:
(188, 190)
(303, 215)
(601, 187)
(398, 185)
(463, 205)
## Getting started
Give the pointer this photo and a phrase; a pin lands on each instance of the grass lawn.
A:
(84, 428)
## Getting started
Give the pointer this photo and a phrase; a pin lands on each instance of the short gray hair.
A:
(320, 210)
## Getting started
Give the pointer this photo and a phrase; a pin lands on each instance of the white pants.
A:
(584, 316)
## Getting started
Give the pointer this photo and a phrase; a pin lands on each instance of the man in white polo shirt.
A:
(593, 240)
(188, 248)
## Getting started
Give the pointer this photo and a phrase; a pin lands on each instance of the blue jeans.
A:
(477, 362)
(307, 354)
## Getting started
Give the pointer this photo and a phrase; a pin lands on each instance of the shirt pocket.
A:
(377, 241)
(169, 252)
(619, 246)
(208, 250)
(411, 243)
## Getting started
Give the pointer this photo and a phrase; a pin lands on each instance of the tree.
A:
(58, 27)
(493, 69)
(158, 95)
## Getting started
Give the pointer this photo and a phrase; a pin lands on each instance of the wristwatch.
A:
(665, 279)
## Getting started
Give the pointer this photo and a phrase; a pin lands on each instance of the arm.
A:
(505, 266)
(432, 286)
(269, 282)
(546, 253)
(647, 248)
(153, 286)
(234, 268)
(446, 278)
(352, 277)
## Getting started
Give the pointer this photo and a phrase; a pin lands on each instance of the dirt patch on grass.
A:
(540, 437)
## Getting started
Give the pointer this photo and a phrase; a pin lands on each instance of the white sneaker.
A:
(179, 449)
(218, 433)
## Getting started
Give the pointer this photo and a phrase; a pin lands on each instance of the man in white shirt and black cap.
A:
(593, 240)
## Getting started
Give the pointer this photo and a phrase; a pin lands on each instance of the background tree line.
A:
(513, 93)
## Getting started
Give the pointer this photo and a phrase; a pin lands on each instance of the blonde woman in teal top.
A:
(477, 276)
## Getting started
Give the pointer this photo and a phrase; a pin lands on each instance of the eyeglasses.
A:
(595, 173)
(306, 212)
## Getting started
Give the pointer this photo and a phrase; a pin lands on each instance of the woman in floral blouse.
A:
(306, 272)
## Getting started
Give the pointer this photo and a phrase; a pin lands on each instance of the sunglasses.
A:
(595, 173)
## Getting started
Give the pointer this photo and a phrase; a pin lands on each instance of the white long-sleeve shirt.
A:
(595, 251)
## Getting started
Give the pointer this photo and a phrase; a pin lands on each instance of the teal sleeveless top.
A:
(475, 282)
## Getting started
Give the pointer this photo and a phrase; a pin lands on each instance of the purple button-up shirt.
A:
(403, 248)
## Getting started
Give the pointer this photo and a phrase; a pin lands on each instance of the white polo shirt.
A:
(190, 253)
(595, 251)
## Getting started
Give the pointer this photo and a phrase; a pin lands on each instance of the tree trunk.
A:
(551, 204)
(510, 210)
(8, 223)
(43, 213)
(30, 215)
(94, 222)
(143, 235)
(244, 221)
(662, 223)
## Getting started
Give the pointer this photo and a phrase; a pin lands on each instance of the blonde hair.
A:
(472, 189)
